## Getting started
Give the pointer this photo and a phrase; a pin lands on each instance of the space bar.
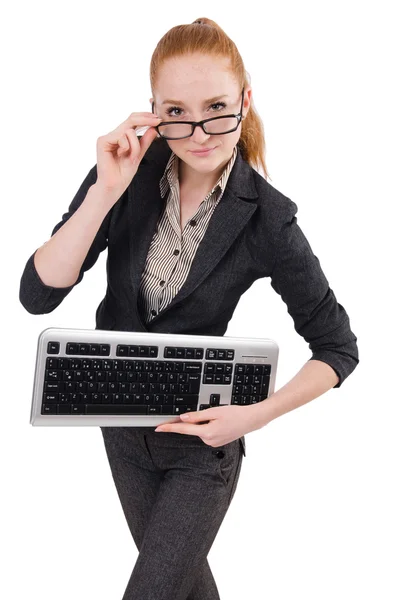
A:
(116, 409)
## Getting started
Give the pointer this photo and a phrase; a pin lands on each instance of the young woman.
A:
(189, 225)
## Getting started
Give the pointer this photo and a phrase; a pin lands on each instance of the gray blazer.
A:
(252, 233)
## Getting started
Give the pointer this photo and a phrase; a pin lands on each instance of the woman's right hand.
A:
(119, 153)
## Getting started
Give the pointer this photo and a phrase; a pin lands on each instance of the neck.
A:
(189, 178)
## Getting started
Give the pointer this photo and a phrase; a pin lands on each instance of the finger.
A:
(198, 416)
(168, 427)
(134, 142)
(146, 140)
(123, 145)
(184, 428)
(135, 121)
(140, 120)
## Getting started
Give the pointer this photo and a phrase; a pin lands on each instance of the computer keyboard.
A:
(119, 378)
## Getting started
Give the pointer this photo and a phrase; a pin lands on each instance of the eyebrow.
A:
(205, 101)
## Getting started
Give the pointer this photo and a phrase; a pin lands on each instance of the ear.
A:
(247, 102)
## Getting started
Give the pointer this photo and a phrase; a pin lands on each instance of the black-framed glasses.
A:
(177, 130)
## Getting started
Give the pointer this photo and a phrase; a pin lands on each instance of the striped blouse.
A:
(172, 251)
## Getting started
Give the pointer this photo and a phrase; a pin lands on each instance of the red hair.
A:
(205, 36)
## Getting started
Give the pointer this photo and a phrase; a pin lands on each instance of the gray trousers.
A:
(175, 491)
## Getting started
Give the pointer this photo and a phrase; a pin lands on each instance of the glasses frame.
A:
(195, 124)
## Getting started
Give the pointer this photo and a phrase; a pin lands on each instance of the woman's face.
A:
(188, 82)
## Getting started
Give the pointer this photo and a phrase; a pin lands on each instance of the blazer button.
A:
(219, 453)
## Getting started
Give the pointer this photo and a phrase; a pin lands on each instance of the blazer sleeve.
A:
(298, 278)
(37, 297)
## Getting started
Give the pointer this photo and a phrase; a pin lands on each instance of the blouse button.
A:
(193, 222)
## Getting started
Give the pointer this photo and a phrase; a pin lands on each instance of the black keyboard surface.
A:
(84, 380)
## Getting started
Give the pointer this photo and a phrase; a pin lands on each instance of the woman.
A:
(193, 231)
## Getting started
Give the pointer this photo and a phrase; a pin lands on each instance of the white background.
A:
(314, 512)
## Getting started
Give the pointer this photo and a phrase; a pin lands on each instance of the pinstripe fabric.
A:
(171, 251)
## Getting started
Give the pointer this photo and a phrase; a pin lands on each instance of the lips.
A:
(202, 152)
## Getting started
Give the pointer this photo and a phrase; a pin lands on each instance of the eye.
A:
(222, 104)
(170, 110)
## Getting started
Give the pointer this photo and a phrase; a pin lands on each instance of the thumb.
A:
(146, 140)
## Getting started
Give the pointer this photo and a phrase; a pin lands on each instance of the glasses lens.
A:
(221, 125)
(174, 131)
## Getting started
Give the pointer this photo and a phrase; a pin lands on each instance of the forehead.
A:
(196, 101)
(194, 80)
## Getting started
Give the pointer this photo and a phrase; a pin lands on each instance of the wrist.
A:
(101, 197)
(260, 415)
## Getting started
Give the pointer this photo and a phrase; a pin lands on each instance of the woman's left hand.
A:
(222, 424)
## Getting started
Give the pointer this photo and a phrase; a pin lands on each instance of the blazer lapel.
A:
(145, 206)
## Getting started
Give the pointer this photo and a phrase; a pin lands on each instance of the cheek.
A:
(229, 140)
(178, 146)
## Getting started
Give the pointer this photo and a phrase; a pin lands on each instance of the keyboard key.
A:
(49, 409)
(53, 348)
(116, 409)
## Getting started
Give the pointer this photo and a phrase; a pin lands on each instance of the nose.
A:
(199, 135)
